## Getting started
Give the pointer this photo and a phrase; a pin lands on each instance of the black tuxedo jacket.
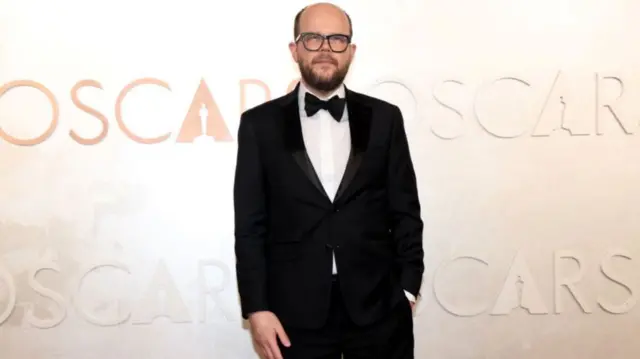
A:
(286, 228)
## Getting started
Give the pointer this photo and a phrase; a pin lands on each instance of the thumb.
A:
(283, 336)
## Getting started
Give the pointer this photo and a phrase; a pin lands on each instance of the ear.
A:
(293, 49)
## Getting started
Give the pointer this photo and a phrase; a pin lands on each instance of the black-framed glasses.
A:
(313, 41)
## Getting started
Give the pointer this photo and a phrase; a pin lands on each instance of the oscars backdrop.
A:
(118, 124)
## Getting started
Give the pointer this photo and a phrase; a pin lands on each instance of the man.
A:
(328, 228)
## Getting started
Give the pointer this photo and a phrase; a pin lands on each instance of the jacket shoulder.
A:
(265, 109)
(374, 102)
(386, 111)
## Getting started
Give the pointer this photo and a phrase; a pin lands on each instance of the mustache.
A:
(325, 59)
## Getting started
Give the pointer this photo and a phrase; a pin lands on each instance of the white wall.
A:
(90, 233)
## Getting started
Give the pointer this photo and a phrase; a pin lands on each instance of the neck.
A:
(315, 91)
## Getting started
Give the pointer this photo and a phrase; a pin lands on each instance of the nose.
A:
(325, 46)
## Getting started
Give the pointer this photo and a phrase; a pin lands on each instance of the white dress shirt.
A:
(328, 143)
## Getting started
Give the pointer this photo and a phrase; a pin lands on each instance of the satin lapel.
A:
(359, 126)
(294, 143)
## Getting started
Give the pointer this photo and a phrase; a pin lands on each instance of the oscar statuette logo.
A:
(203, 122)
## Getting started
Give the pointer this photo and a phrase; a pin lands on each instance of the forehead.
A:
(324, 22)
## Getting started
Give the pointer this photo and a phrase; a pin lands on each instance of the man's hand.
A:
(265, 330)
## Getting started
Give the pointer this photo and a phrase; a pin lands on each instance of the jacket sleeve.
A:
(404, 203)
(250, 221)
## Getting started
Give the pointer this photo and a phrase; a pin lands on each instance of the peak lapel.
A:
(294, 142)
(359, 126)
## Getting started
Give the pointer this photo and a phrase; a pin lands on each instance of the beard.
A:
(322, 83)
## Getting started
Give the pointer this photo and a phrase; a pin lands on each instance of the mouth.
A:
(324, 62)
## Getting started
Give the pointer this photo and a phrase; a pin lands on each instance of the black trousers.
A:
(389, 338)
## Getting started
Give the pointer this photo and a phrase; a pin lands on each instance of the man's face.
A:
(323, 50)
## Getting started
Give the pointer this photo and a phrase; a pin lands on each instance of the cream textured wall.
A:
(116, 219)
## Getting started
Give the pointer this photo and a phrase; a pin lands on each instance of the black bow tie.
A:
(335, 105)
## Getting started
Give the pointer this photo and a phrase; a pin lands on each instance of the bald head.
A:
(321, 12)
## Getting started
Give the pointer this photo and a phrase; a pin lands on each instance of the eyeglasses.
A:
(314, 42)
